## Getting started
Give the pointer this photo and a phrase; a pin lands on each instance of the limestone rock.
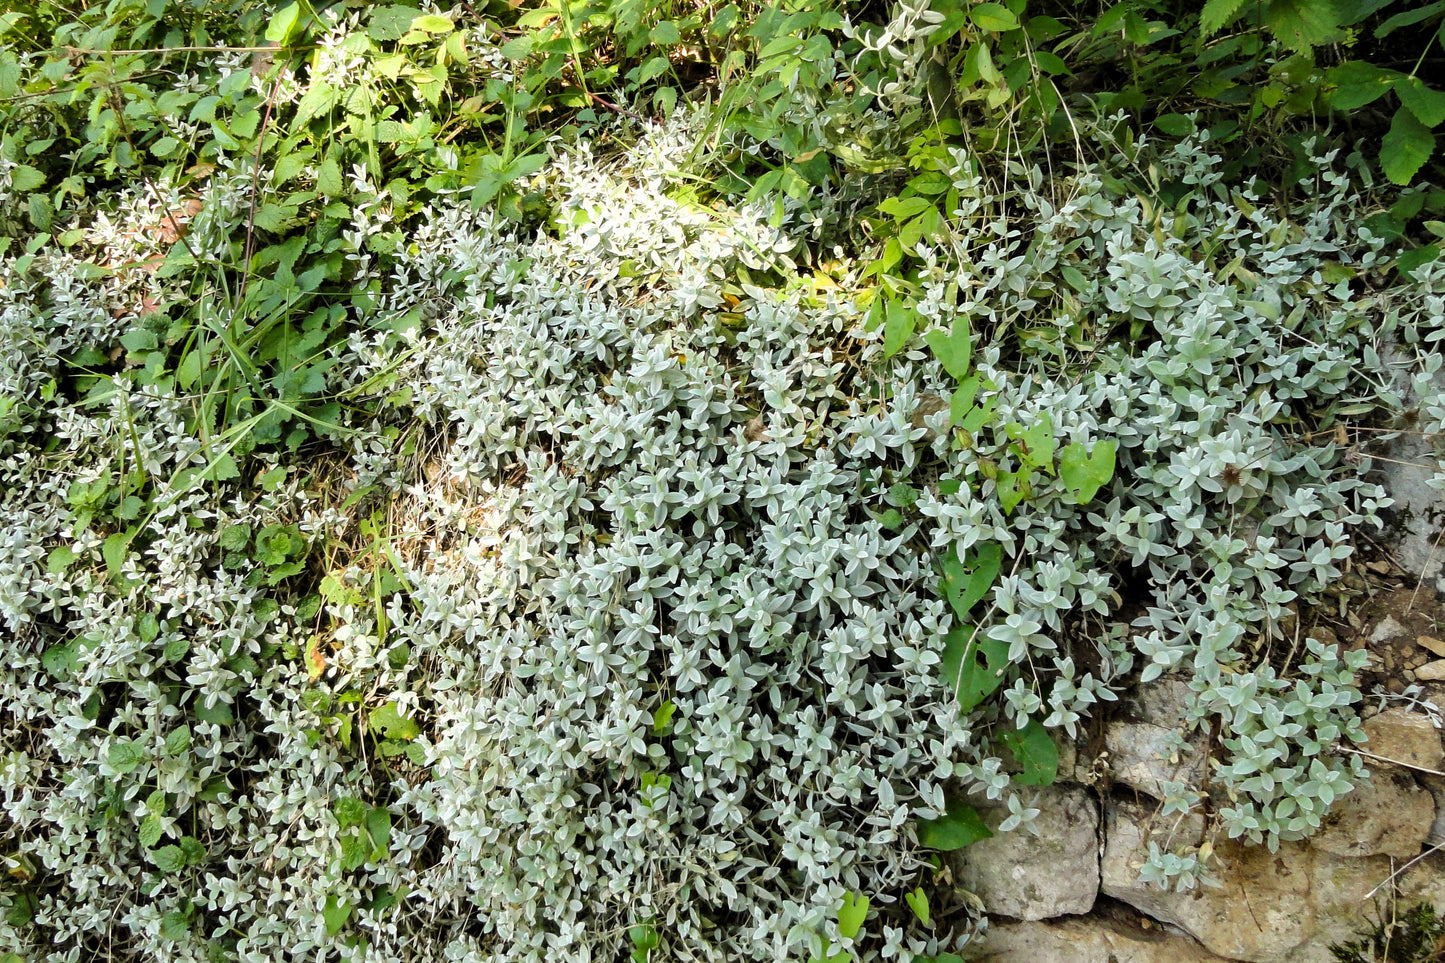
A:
(1032, 877)
(1261, 912)
(1390, 814)
(1432, 671)
(1140, 756)
(1164, 702)
(1347, 894)
(1406, 470)
(1406, 737)
(1091, 940)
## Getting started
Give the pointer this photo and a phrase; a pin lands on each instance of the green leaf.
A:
(390, 22)
(959, 668)
(1034, 750)
(1407, 263)
(24, 178)
(61, 660)
(898, 327)
(1218, 13)
(283, 22)
(175, 925)
(953, 350)
(378, 827)
(666, 33)
(958, 827)
(150, 830)
(328, 177)
(966, 581)
(1357, 83)
(125, 756)
(993, 16)
(432, 23)
(662, 718)
(962, 400)
(1427, 104)
(1084, 472)
(1036, 444)
(391, 724)
(335, 914)
(1175, 125)
(851, 915)
(61, 557)
(1408, 17)
(169, 859)
(1302, 24)
(219, 714)
(354, 851)
(178, 740)
(350, 811)
(1406, 147)
(918, 902)
(1013, 487)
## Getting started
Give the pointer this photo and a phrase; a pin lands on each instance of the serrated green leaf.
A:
(60, 558)
(178, 740)
(349, 811)
(959, 826)
(1302, 24)
(354, 851)
(1408, 18)
(235, 538)
(432, 23)
(175, 926)
(150, 830)
(125, 756)
(851, 915)
(1218, 13)
(666, 33)
(1034, 750)
(1406, 147)
(60, 660)
(1426, 103)
(169, 859)
(24, 178)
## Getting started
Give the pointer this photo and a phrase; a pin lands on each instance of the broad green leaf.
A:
(390, 22)
(962, 400)
(432, 23)
(335, 914)
(967, 580)
(178, 740)
(354, 851)
(1406, 147)
(1084, 472)
(391, 724)
(175, 926)
(150, 830)
(662, 718)
(905, 207)
(378, 827)
(169, 859)
(283, 21)
(993, 16)
(851, 915)
(1302, 24)
(898, 327)
(666, 33)
(61, 557)
(219, 714)
(1357, 83)
(1217, 14)
(114, 550)
(1013, 487)
(125, 756)
(960, 668)
(60, 660)
(23, 178)
(1175, 125)
(1407, 263)
(954, 349)
(1036, 444)
(1036, 754)
(328, 177)
(959, 826)
(1426, 103)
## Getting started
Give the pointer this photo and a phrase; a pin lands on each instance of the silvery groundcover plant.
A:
(653, 579)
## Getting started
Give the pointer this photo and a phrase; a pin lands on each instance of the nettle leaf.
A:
(150, 831)
(1084, 472)
(967, 580)
(175, 926)
(958, 827)
(1357, 83)
(973, 665)
(954, 349)
(1217, 14)
(1035, 752)
(125, 756)
(169, 859)
(61, 660)
(1405, 148)
(1426, 103)
(1302, 24)
(851, 915)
